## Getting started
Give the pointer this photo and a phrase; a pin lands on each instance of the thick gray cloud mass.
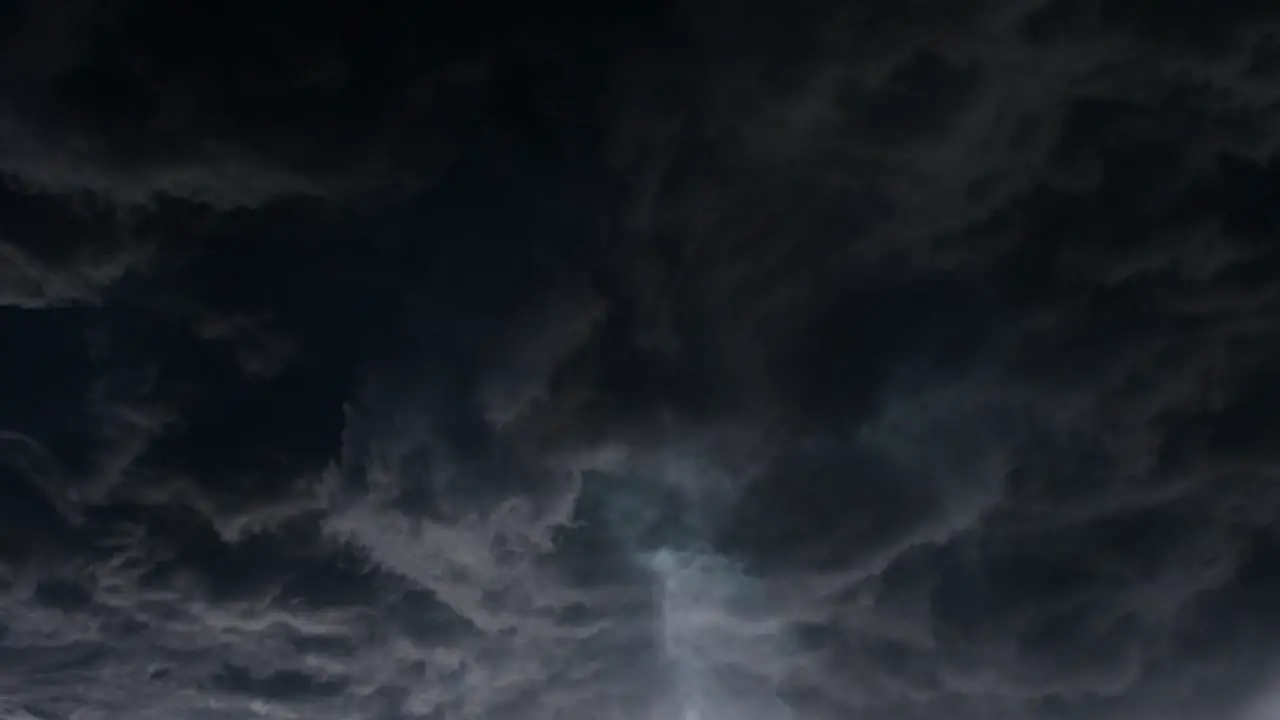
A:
(884, 360)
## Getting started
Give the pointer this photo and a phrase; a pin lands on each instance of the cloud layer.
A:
(899, 360)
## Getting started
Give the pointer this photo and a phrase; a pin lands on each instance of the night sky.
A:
(646, 359)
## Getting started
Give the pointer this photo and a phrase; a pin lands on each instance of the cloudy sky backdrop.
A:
(695, 360)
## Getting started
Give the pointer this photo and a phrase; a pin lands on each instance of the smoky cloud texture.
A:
(885, 360)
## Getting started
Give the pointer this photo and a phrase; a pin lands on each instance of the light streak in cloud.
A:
(715, 634)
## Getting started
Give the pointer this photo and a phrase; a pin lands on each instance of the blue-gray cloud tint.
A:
(885, 360)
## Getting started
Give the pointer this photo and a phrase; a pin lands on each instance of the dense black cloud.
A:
(879, 360)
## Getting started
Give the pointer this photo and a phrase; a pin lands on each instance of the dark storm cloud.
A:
(1074, 177)
(237, 103)
(897, 360)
